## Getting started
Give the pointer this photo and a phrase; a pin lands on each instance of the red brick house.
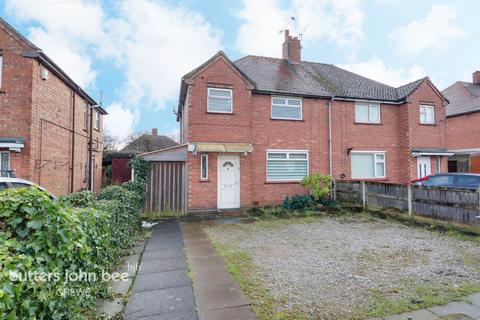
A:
(50, 129)
(253, 128)
(463, 124)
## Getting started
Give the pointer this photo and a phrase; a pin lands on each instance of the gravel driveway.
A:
(333, 267)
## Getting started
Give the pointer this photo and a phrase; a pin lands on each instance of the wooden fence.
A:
(166, 186)
(441, 203)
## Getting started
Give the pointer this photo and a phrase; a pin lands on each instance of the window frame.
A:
(204, 157)
(287, 152)
(220, 89)
(369, 106)
(9, 159)
(1, 69)
(375, 162)
(85, 116)
(425, 107)
(289, 106)
(96, 120)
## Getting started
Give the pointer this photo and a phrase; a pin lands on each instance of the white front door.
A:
(424, 167)
(228, 176)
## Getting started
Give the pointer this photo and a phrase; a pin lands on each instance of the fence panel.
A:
(441, 203)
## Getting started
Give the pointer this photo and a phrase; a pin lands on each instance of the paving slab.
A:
(236, 313)
(199, 243)
(120, 287)
(109, 308)
(195, 238)
(128, 267)
(148, 303)
(159, 245)
(139, 247)
(201, 251)
(176, 315)
(218, 297)
(205, 262)
(474, 299)
(460, 308)
(163, 254)
(415, 315)
(161, 280)
(212, 277)
(159, 265)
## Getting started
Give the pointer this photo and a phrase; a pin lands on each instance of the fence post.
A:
(364, 195)
(410, 204)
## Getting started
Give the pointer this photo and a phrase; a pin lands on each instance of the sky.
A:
(133, 53)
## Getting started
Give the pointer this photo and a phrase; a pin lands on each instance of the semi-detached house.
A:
(253, 128)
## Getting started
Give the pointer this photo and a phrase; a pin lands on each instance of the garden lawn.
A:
(346, 267)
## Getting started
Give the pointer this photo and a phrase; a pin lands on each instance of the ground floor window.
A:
(4, 164)
(204, 167)
(368, 165)
(289, 165)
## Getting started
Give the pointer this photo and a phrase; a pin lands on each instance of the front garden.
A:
(55, 254)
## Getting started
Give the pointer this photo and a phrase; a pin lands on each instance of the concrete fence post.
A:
(409, 195)
(364, 195)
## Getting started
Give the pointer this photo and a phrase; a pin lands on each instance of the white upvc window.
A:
(4, 164)
(427, 114)
(368, 164)
(96, 122)
(367, 113)
(204, 167)
(287, 165)
(286, 108)
(85, 116)
(220, 100)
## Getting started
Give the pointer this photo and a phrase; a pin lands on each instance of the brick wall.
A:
(398, 132)
(41, 111)
(464, 131)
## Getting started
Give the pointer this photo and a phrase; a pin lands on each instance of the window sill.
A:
(428, 124)
(204, 181)
(369, 123)
(2, 90)
(296, 120)
(220, 113)
(282, 182)
(370, 179)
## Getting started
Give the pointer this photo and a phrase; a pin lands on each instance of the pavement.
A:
(163, 288)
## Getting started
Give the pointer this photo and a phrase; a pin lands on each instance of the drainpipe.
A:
(72, 170)
(90, 151)
(330, 156)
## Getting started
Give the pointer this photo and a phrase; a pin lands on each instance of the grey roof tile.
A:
(464, 98)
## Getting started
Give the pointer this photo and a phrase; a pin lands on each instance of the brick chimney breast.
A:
(476, 77)
(154, 132)
(291, 49)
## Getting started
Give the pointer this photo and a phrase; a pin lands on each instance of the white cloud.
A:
(120, 121)
(158, 45)
(377, 70)
(338, 21)
(434, 31)
(67, 32)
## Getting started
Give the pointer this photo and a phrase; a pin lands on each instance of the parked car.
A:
(6, 183)
(451, 180)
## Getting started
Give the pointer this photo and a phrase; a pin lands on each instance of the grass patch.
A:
(240, 265)
(421, 296)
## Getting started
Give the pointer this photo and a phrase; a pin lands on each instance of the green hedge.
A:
(80, 232)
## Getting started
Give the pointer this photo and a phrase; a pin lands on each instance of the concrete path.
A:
(217, 295)
(458, 310)
(162, 289)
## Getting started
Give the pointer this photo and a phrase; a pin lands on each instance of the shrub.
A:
(79, 199)
(320, 185)
(299, 202)
(141, 169)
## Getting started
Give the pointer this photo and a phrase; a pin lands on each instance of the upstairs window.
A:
(427, 114)
(286, 108)
(219, 100)
(97, 120)
(367, 113)
(287, 165)
(85, 116)
(368, 165)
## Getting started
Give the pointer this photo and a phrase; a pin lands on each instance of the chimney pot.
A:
(476, 77)
(291, 49)
(154, 132)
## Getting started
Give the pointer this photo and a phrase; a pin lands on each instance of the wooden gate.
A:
(166, 187)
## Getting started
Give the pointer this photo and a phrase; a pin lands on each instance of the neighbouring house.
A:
(463, 124)
(115, 163)
(253, 128)
(51, 131)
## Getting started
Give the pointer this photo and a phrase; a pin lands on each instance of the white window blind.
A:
(287, 165)
(219, 100)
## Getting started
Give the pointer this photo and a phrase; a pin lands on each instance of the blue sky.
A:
(135, 51)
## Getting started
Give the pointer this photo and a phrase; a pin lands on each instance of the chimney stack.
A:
(291, 49)
(154, 132)
(476, 77)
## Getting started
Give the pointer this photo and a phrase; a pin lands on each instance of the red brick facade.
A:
(49, 115)
(398, 134)
(464, 131)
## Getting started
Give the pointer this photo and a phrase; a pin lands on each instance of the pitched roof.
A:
(318, 79)
(147, 143)
(464, 98)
